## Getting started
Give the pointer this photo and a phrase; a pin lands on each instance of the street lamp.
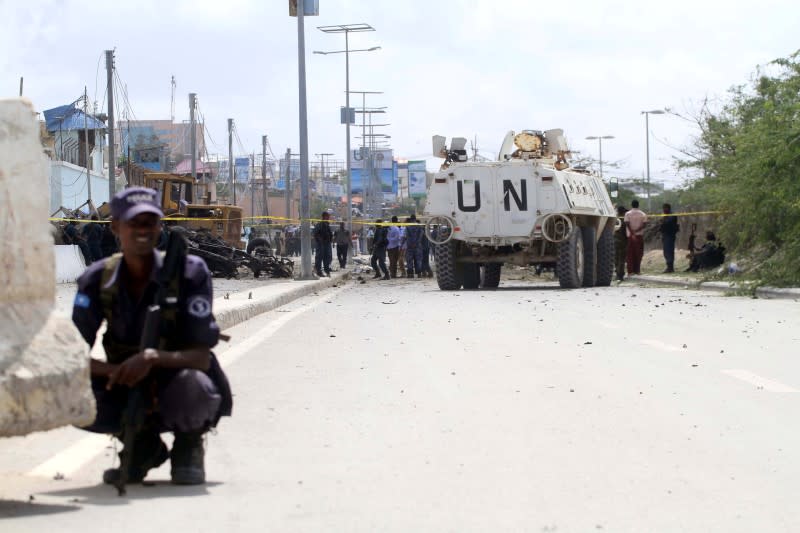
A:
(600, 144)
(347, 29)
(647, 148)
(320, 52)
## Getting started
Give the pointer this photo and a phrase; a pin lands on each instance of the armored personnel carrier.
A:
(527, 208)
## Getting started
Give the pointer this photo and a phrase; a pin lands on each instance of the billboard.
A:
(242, 170)
(416, 178)
(310, 8)
(294, 172)
(380, 164)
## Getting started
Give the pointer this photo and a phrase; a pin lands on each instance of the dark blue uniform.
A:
(188, 399)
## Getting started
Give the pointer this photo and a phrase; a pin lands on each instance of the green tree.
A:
(748, 156)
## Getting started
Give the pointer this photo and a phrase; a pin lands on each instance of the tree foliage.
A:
(748, 156)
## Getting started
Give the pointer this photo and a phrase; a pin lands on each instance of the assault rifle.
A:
(139, 403)
(692, 239)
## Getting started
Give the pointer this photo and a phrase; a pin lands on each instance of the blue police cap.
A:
(134, 201)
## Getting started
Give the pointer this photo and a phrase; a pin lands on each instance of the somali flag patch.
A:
(82, 300)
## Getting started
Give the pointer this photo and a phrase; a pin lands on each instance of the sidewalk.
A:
(232, 307)
(238, 307)
(724, 286)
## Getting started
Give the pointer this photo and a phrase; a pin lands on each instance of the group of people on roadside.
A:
(406, 246)
(95, 240)
(629, 242)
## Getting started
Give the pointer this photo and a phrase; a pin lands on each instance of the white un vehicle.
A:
(527, 208)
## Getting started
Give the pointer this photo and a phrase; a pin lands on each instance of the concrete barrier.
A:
(44, 362)
(69, 263)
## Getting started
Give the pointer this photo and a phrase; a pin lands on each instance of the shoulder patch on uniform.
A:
(199, 306)
(82, 300)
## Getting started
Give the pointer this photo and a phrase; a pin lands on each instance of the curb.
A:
(231, 317)
(722, 286)
(775, 292)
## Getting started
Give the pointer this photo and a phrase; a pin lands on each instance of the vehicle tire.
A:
(447, 270)
(570, 260)
(589, 256)
(491, 275)
(605, 257)
(262, 251)
(255, 243)
(471, 275)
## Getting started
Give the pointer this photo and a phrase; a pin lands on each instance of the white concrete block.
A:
(43, 361)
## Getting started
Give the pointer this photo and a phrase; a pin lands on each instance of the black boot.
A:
(149, 451)
(187, 457)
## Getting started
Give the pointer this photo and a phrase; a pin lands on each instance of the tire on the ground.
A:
(255, 243)
(589, 256)
(491, 275)
(605, 257)
(570, 260)
(448, 274)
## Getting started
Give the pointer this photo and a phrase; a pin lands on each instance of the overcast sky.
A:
(473, 68)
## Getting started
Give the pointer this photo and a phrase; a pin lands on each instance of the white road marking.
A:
(82, 452)
(233, 353)
(661, 345)
(71, 459)
(758, 381)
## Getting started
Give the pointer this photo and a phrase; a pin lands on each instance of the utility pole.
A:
(86, 148)
(253, 187)
(349, 114)
(287, 183)
(193, 137)
(264, 174)
(21, 79)
(172, 101)
(112, 159)
(231, 177)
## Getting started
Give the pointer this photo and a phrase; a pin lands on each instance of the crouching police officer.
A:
(184, 388)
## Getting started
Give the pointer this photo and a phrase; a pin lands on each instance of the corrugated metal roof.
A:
(185, 167)
(68, 117)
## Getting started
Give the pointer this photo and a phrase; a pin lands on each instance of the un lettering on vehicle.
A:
(503, 204)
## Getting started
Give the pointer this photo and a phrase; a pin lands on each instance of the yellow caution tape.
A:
(362, 222)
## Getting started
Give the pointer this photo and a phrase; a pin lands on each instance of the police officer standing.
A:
(322, 238)
(378, 259)
(668, 228)
(413, 244)
(182, 380)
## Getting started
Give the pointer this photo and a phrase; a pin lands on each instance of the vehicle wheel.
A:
(491, 275)
(589, 256)
(447, 272)
(262, 251)
(258, 243)
(472, 275)
(570, 261)
(605, 257)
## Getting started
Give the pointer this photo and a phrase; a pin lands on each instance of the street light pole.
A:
(305, 224)
(348, 116)
(647, 149)
(346, 29)
(600, 146)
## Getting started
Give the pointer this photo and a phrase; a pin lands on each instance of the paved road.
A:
(392, 406)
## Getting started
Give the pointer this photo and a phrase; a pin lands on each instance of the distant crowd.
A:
(405, 245)
(629, 242)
